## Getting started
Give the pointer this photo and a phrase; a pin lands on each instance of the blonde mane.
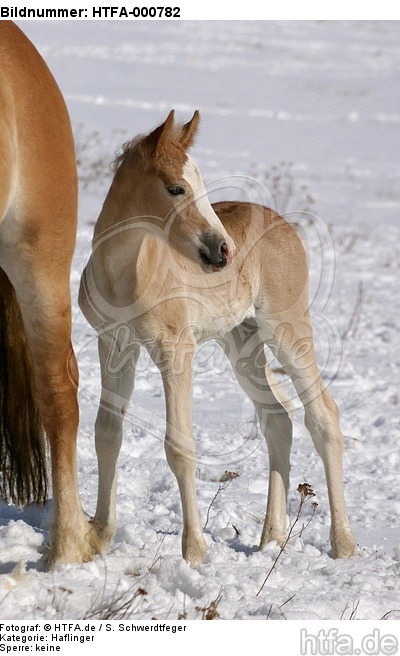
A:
(136, 150)
(127, 150)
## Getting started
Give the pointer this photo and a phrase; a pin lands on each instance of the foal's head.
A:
(166, 183)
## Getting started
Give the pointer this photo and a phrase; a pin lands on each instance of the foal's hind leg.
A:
(245, 351)
(292, 344)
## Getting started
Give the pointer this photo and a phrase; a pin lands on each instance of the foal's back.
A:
(270, 253)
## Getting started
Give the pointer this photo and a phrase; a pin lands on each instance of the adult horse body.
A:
(148, 282)
(38, 374)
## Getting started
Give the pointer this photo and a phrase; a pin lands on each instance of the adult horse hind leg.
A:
(43, 295)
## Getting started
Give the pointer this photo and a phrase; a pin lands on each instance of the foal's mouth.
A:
(215, 259)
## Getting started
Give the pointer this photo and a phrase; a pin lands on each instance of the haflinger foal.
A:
(168, 271)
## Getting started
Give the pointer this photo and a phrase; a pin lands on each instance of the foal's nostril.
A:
(224, 249)
(214, 252)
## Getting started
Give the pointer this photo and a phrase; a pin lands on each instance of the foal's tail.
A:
(23, 475)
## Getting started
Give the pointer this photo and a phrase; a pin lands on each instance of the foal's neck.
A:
(121, 202)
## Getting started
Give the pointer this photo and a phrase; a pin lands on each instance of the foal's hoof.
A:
(194, 550)
(271, 535)
(104, 536)
(343, 543)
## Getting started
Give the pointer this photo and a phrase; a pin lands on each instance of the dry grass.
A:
(225, 480)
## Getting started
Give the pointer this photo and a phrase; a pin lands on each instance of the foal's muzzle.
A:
(215, 252)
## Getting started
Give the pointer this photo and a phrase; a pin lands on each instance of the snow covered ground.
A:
(310, 110)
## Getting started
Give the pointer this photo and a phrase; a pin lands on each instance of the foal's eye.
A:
(176, 190)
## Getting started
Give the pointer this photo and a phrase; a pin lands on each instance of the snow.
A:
(311, 110)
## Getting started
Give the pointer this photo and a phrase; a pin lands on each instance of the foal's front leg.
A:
(177, 371)
(117, 387)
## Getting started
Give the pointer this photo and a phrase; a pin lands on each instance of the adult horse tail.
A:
(23, 471)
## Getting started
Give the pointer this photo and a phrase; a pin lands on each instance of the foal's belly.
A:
(210, 321)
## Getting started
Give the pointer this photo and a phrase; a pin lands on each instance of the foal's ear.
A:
(189, 131)
(162, 133)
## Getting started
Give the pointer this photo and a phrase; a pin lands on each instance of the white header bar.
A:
(202, 10)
